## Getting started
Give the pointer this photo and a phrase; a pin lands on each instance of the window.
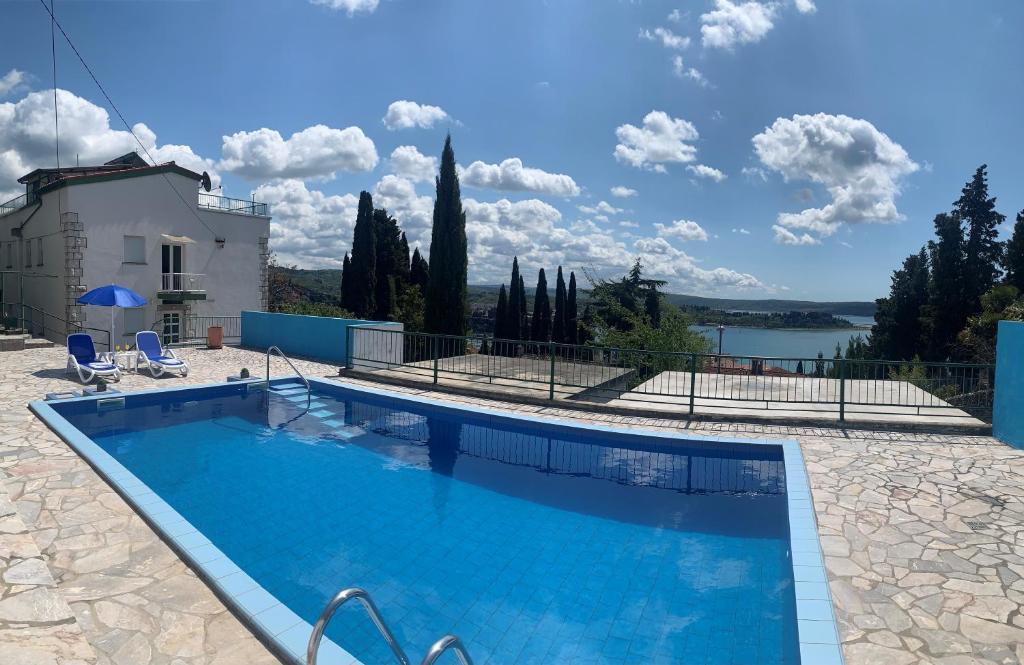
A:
(39, 251)
(172, 328)
(28, 253)
(134, 249)
(134, 320)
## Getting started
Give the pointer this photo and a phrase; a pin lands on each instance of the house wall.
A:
(37, 285)
(318, 337)
(146, 206)
(1008, 401)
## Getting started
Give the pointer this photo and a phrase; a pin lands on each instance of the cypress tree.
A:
(513, 317)
(652, 307)
(403, 258)
(446, 309)
(946, 313)
(540, 328)
(898, 330)
(572, 330)
(418, 271)
(388, 263)
(558, 322)
(364, 259)
(1013, 259)
(346, 283)
(522, 321)
(501, 314)
(982, 249)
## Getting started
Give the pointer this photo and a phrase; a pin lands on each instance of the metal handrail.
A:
(447, 642)
(340, 599)
(309, 389)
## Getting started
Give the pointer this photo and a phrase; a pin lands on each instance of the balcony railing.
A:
(181, 281)
(240, 206)
(18, 202)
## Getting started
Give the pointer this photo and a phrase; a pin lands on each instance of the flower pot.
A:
(215, 337)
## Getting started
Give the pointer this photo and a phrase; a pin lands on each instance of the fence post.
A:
(551, 376)
(433, 353)
(842, 389)
(693, 378)
(349, 351)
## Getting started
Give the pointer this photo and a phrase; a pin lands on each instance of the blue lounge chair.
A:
(82, 359)
(155, 357)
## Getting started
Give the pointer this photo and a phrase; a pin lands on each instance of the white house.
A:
(152, 229)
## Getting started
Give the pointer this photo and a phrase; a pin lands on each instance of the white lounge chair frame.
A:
(86, 374)
(157, 368)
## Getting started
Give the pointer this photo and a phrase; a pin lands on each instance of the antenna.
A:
(205, 181)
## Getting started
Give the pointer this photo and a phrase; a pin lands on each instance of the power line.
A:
(53, 56)
(54, 21)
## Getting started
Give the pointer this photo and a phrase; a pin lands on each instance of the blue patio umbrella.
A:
(112, 296)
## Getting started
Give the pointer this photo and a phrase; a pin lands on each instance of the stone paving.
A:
(923, 537)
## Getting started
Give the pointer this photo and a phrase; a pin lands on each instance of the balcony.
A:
(18, 202)
(181, 286)
(237, 206)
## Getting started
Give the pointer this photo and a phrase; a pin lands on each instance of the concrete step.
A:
(12, 342)
(39, 343)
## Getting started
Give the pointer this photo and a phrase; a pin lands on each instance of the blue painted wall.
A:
(317, 337)
(1008, 407)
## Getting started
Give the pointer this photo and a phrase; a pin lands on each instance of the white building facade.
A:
(151, 229)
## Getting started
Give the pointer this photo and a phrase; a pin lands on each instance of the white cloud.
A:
(623, 192)
(661, 140)
(10, 81)
(704, 171)
(407, 161)
(663, 261)
(732, 23)
(627, 224)
(805, 6)
(350, 7)
(741, 231)
(682, 229)
(682, 71)
(512, 176)
(315, 152)
(755, 173)
(860, 167)
(667, 38)
(27, 138)
(602, 208)
(309, 228)
(675, 16)
(784, 236)
(413, 212)
(404, 114)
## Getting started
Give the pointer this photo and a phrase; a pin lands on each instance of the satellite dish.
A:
(205, 181)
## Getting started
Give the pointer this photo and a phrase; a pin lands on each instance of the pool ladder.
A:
(439, 647)
(309, 391)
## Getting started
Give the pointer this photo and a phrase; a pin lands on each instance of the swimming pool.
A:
(535, 542)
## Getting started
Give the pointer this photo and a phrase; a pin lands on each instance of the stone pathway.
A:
(923, 537)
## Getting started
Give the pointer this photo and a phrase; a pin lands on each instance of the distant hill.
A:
(325, 286)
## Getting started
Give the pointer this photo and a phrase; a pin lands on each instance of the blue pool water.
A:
(535, 544)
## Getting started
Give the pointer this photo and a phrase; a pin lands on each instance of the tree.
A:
(389, 262)
(572, 329)
(978, 338)
(897, 333)
(419, 272)
(652, 307)
(364, 259)
(620, 303)
(558, 332)
(982, 249)
(523, 324)
(447, 310)
(346, 283)
(403, 258)
(946, 312)
(501, 315)
(516, 304)
(1013, 258)
(540, 329)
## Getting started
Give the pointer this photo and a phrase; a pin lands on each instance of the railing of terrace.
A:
(40, 323)
(18, 202)
(684, 380)
(194, 329)
(240, 206)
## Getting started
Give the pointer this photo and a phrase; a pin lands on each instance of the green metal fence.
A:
(685, 382)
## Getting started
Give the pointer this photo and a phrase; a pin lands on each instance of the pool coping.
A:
(286, 634)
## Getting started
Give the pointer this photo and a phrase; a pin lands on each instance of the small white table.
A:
(126, 360)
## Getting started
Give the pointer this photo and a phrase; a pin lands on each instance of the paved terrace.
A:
(923, 537)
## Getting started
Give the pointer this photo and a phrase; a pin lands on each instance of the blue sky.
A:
(792, 149)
